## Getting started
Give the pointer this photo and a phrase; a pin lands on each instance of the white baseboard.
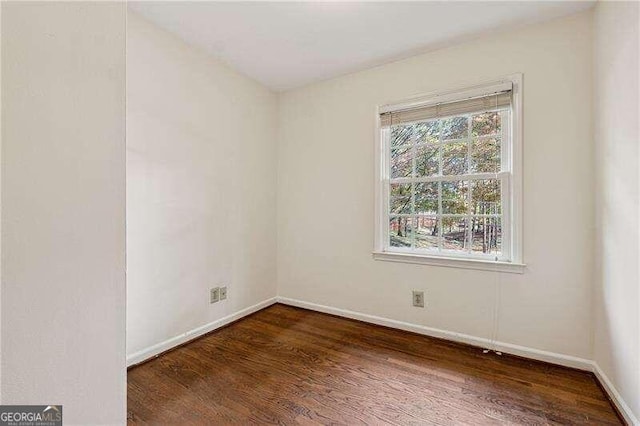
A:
(523, 351)
(156, 349)
(615, 396)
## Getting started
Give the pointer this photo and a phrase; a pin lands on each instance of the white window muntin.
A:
(510, 133)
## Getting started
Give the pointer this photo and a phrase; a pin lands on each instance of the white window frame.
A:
(511, 173)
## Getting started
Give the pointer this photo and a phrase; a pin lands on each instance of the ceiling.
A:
(285, 45)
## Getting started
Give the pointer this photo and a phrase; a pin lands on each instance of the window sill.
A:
(451, 262)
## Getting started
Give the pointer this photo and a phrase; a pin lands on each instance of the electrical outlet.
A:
(223, 293)
(214, 295)
(418, 299)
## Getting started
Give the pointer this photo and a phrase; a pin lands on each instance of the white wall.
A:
(201, 188)
(63, 208)
(201, 164)
(326, 193)
(617, 293)
(0, 203)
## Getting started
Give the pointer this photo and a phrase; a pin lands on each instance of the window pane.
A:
(432, 211)
(427, 198)
(426, 232)
(485, 197)
(454, 233)
(487, 235)
(487, 123)
(454, 159)
(400, 198)
(454, 128)
(427, 132)
(400, 229)
(401, 162)
(427, 160)
(454, 197)
(401, 134)
(485, 155)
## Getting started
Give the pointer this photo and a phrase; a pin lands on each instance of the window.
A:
(449, 179)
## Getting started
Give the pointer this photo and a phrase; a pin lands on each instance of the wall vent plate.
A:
(418, 299)
(223, 293)
(214, 295)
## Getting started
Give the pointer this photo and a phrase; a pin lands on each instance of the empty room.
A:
(321, 212)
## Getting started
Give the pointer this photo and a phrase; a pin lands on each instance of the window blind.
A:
(446, 109)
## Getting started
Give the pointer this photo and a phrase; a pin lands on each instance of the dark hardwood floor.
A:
(286, 365)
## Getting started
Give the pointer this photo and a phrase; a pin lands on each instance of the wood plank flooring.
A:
(285, 365)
